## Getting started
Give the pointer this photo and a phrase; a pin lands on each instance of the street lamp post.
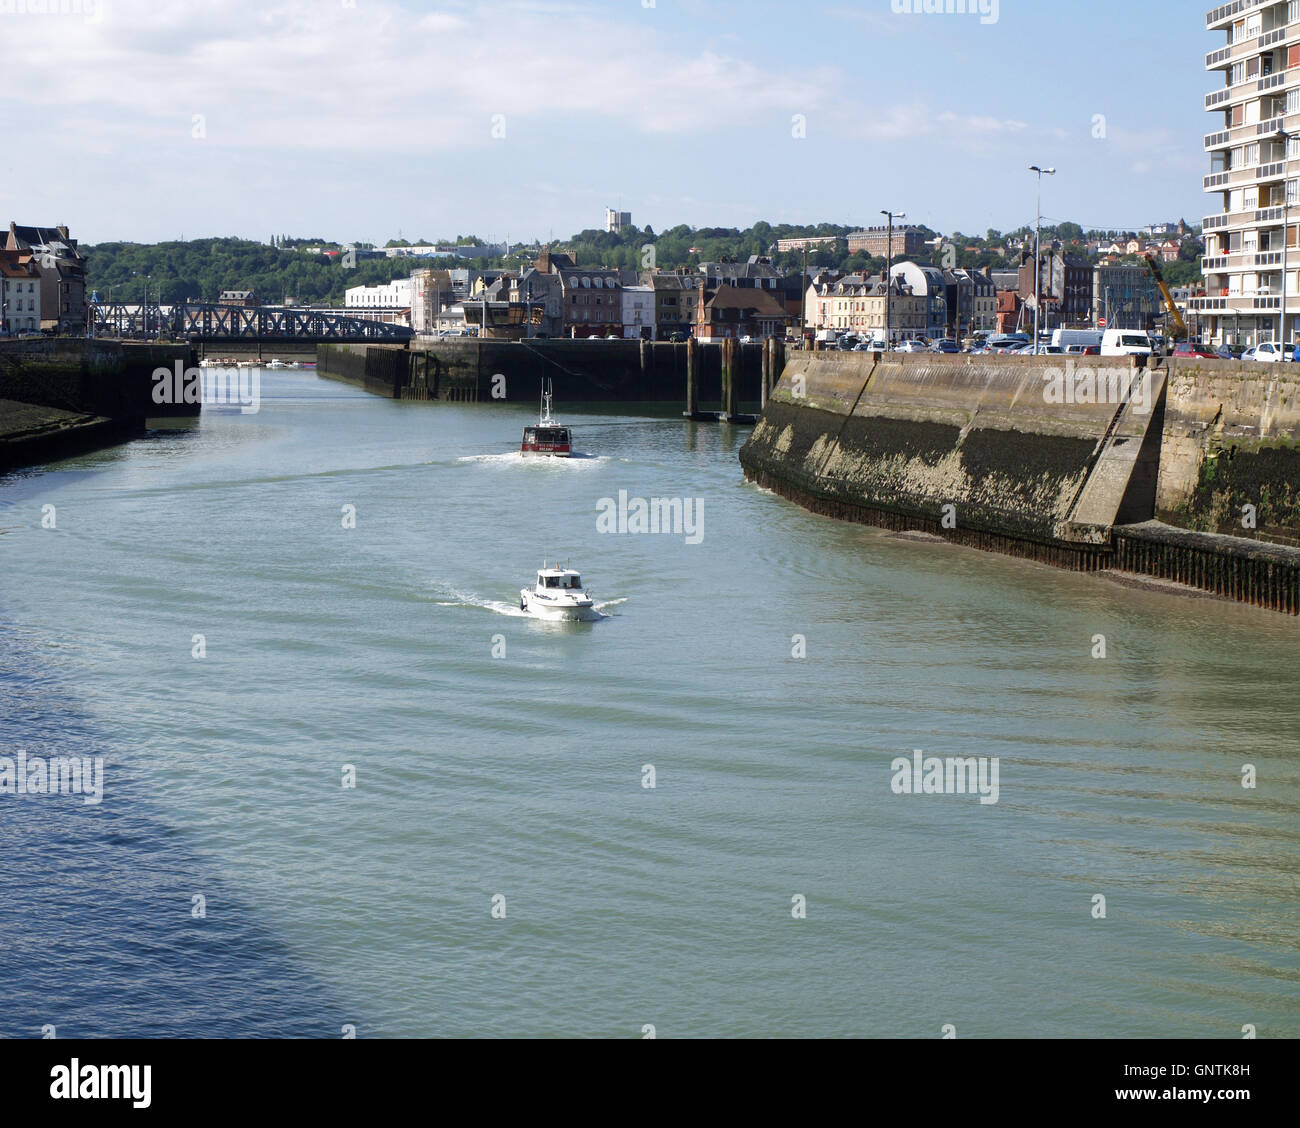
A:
(889, 268)
(1038, 234)
(1285, 137)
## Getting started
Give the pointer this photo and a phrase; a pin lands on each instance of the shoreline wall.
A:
(961, 446)
(88, 393)
(975, 450)
(581, 371)
(1232, 439)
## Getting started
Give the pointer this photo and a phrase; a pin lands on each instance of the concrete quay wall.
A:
(108, 378)
(966, 447)
(581, 371)
(1232, 441)
(984, 451)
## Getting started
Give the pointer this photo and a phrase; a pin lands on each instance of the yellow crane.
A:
(1180, 326)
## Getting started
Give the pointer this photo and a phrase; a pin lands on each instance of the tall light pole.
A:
(1285, 137)
(1038, 255)
(889, 268)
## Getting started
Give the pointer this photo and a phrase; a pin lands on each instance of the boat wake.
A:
(455, 598)
(515, 458)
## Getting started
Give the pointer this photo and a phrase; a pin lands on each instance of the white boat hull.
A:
(558, 610)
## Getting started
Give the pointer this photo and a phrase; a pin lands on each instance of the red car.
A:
(1192, 349)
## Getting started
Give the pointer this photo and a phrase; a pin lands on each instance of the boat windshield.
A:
(552, 435)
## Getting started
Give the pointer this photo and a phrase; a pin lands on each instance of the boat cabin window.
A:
(574, 582)
(530, 434)
(552, 435)
(552, 581)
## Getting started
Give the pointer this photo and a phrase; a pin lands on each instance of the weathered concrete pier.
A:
(979, 451)
(693, 375)
(61, 396)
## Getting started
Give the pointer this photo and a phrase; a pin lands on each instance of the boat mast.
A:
(546, 402)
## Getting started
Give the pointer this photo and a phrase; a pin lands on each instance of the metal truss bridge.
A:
(208, 322)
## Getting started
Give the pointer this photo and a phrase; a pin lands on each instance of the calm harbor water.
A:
(495, 754)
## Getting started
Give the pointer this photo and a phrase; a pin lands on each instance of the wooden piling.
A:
(692, 378)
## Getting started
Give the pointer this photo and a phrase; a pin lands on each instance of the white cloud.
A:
(298, 75)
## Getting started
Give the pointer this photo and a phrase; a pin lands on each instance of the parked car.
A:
(910, 347)
(1194, 350)
(1270, 352)
(1008, 343)
(1230, 352)
(1249, 354)
(1083, 350)
(947, 345)
(679, 337)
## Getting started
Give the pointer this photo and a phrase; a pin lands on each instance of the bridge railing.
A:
(210, 322)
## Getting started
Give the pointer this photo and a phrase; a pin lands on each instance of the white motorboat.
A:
(276, 363)
(558, 596)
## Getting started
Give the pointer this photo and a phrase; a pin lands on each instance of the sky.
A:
(365, 120)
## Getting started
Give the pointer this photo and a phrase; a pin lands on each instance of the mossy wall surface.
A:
(928, 437)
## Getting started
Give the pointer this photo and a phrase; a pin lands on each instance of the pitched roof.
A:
(749, 269)
(23, 238)
(734, 297)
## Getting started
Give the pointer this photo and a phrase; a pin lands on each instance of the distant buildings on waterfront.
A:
(554, 297)
(44, 285)
(876, 242)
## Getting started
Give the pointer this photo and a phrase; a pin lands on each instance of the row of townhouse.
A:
(921, 300)
(44, 281)
(555, 297)
(1167, 250)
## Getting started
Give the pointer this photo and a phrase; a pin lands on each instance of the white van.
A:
(1126, 342)
(1064, 338)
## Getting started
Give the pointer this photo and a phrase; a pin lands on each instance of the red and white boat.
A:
(548, 437)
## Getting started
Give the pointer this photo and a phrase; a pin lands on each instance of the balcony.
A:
(1235, 303)
(1248, 46)
(1220, 140)
(1217, 180)
(1224, 12)
(1214, 58)
(1249, 260)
